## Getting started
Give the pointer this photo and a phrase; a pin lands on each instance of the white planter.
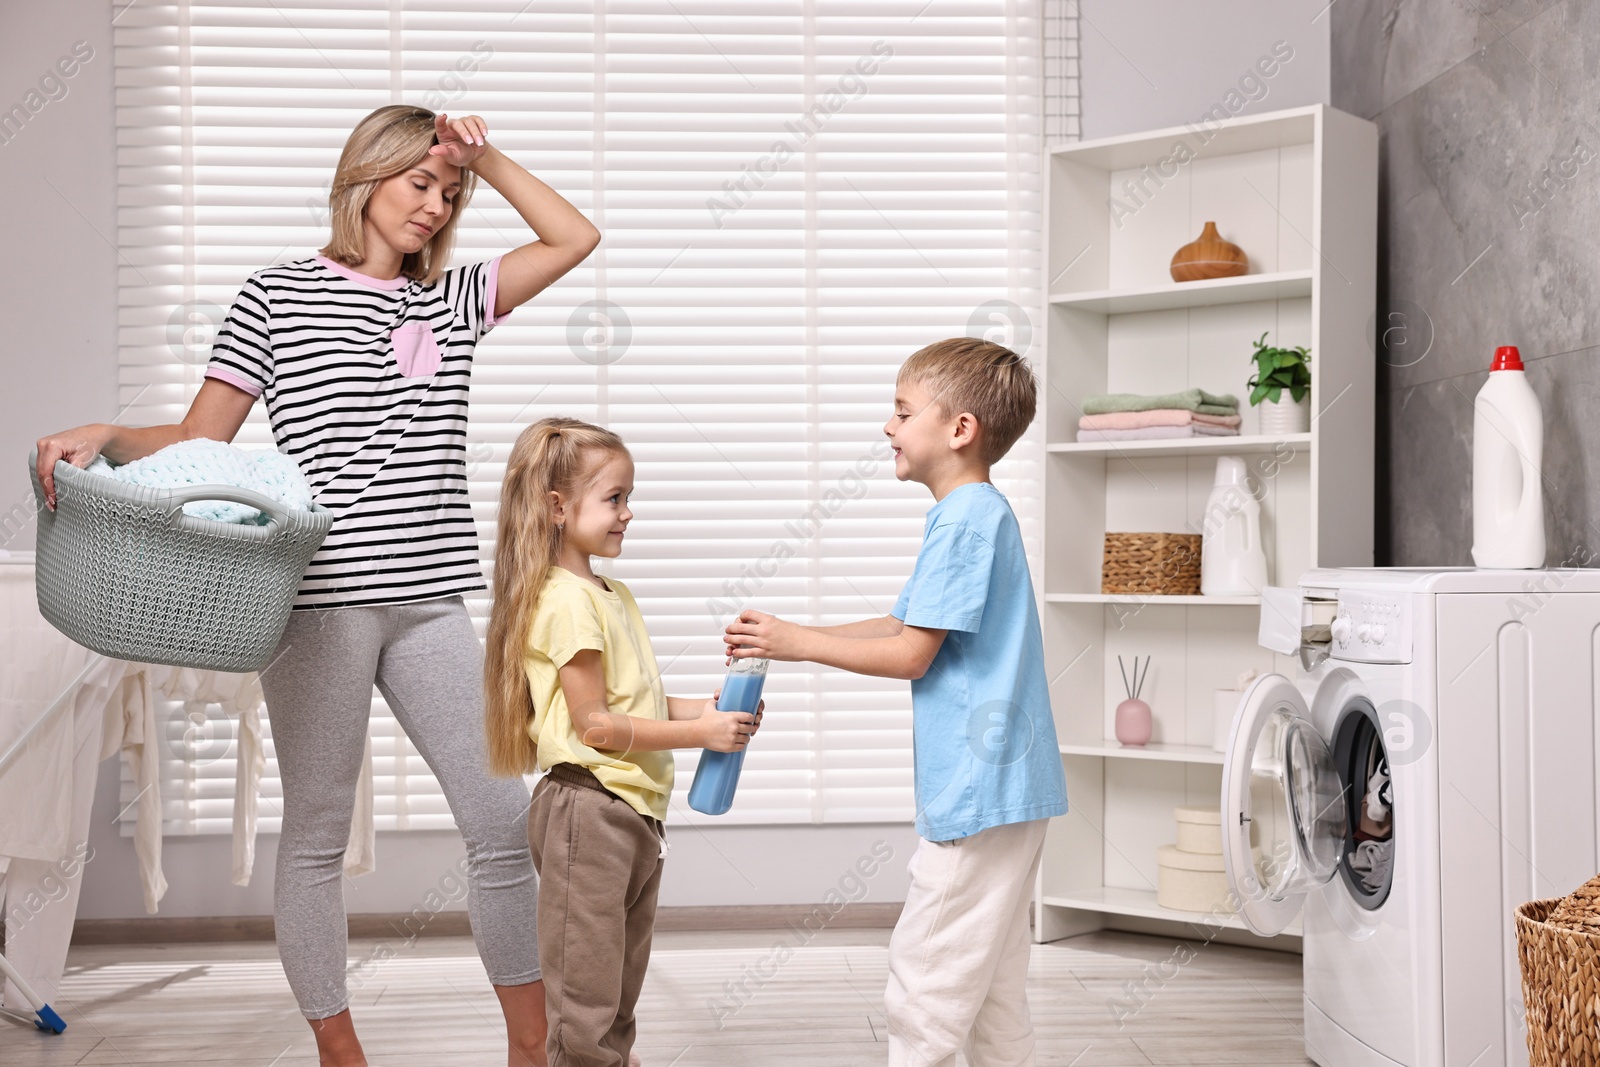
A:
(1286, 416)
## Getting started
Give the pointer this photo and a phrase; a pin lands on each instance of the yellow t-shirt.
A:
(575, 614)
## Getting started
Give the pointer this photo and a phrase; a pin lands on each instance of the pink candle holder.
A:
(1134, 724)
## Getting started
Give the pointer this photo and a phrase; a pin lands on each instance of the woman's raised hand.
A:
(461, 141)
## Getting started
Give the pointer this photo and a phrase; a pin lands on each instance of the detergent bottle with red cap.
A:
(1507, 456)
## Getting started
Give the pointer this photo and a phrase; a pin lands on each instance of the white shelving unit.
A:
(1141, 904)
(1297, 190)
(1229, 446)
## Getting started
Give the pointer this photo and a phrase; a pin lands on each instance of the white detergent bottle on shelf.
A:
(1232, 562)
(1507, 457)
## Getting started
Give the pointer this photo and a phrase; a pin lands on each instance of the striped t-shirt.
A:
(365, 381)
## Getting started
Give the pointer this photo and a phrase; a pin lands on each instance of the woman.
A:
(363, 354)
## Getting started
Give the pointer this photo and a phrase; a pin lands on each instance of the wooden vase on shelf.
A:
(1208, 256)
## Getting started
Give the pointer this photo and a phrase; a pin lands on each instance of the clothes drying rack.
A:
(45, 1017)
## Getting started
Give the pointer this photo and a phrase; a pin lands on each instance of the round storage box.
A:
(1191, 881)
(1200, 830)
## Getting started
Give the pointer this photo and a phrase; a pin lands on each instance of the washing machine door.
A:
(1283, 807)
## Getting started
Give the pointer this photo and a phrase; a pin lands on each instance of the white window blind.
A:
(794, 197)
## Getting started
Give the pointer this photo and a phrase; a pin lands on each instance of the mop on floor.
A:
(45, 1017)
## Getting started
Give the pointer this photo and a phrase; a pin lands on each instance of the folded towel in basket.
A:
(206, 462)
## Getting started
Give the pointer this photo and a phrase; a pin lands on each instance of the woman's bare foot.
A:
(633, 1060)
(337, 1045)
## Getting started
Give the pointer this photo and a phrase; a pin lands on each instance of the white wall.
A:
(1148, 64)
(58, 287)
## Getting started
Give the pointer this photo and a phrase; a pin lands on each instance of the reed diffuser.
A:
(1134, 723)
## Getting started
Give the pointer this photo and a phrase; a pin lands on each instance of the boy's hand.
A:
(726, 731)
(757, 634)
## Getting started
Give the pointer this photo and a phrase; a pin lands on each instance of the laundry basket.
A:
(1558, 946)
(122, 570)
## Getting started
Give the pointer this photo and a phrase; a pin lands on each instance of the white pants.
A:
(958, 960)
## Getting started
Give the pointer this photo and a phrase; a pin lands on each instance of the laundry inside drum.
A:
(1367, 867)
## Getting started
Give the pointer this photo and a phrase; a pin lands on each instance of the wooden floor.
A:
(429, 1004)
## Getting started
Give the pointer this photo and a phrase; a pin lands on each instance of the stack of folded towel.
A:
(1133, 417)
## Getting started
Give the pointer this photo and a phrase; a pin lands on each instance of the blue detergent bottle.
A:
(717, 776)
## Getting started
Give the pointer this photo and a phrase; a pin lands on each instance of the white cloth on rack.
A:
(239, 696)
(47, 793)
(39, 896)
(40, 661)
(39, 664)
(42, 788)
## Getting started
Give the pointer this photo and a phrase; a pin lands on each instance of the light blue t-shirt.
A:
(985, 744)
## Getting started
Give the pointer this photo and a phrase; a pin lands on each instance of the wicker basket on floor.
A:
(1558, 947)
(1151, 564)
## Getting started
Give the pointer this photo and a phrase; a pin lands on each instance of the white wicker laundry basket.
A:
(123, 571)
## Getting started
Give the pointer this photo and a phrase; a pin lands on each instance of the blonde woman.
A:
(362, 354)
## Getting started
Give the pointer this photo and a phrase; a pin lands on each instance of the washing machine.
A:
(1430, 765)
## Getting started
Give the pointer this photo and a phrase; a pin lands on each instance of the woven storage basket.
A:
(1558, 946)
(123, 571)
(1156, 564)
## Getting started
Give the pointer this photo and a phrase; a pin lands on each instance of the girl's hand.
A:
(78, 447)
(757, 634)
(725, 731)
(461, 141)
(761, 707)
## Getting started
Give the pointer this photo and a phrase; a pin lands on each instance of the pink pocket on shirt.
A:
(416, 353)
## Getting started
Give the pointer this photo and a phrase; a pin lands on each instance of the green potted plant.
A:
(1277, 370)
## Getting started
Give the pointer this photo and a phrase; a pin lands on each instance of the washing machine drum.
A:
(1284, 816)
(1362, 759)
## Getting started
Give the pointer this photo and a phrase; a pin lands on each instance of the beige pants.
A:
(599, 865)
(958, 959)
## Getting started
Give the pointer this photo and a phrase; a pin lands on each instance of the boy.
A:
(965, 631)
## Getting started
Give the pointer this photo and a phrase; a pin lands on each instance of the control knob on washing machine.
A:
(1341, 630)
(1378, 633)
(1364, 633)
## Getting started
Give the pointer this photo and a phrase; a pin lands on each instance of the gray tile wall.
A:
(1488, 220)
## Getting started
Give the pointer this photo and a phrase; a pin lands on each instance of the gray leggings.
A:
(427, 663)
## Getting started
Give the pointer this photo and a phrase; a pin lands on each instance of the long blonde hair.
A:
(389, 141)
(552, 455)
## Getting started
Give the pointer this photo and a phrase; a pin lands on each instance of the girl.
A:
(362, 354)
(572, 687)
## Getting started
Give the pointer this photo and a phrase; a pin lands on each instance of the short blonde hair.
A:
(991, 382)
(389, 141)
